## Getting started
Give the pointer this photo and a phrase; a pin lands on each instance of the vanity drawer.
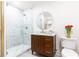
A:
(48, 42)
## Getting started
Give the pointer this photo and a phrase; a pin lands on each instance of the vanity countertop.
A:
(45, 34)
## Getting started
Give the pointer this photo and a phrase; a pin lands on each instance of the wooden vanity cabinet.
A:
(45, 45)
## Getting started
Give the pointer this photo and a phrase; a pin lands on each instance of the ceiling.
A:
(23, 5)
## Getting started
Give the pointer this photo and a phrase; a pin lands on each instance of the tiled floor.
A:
(29, 54)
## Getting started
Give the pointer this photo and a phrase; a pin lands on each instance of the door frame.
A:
(2, 28)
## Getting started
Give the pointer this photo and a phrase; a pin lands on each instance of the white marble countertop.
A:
(45, 34)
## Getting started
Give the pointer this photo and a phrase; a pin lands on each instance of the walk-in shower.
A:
(18, 28)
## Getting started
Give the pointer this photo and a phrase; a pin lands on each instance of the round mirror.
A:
(44, 21)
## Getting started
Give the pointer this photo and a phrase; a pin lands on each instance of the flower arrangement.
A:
(68, 30)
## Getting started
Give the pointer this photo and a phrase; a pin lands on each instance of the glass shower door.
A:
(13, 35)
(18, 30)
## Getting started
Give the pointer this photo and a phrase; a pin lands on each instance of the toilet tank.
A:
(69, 43)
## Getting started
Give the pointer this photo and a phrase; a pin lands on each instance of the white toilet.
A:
(69, 46)
(68, 53)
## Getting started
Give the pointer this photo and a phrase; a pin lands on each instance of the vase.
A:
(69, 35)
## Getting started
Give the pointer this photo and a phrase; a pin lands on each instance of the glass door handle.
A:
(26, 27)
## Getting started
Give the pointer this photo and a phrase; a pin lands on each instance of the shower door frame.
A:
(2, 28)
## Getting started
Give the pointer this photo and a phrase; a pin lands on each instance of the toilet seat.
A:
(68, 53)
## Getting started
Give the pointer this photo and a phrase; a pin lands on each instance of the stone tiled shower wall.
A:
(27, 26)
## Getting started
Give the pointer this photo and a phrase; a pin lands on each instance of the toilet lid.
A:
(68, 53)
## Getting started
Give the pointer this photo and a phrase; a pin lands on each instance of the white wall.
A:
(63, 13)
